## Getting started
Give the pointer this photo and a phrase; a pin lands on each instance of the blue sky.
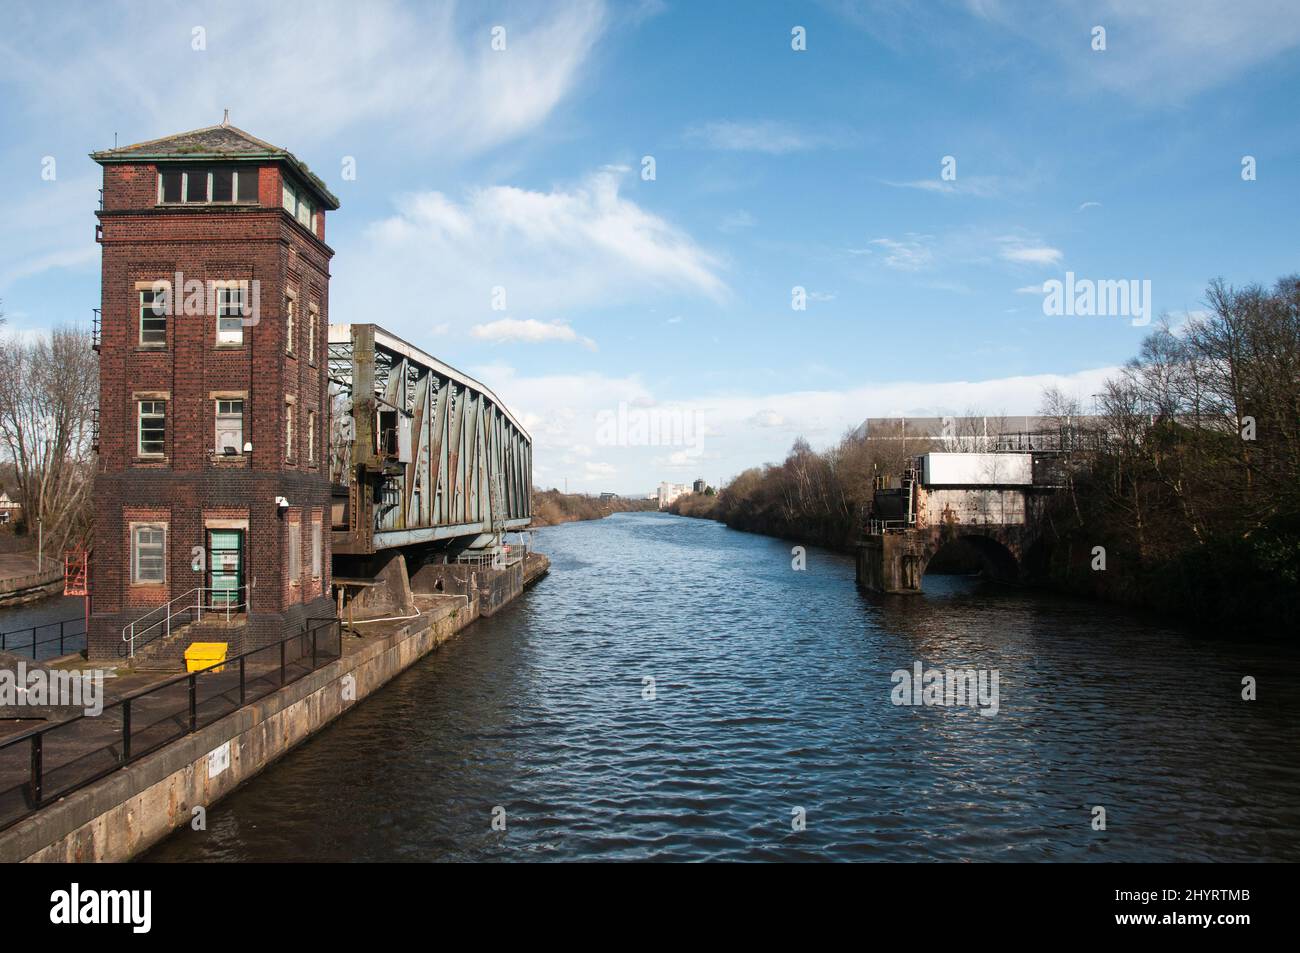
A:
(774, 169)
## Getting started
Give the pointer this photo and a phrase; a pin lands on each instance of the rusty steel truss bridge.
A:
(419, 452)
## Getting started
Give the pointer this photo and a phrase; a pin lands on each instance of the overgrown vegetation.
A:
(1190, 480)
(551, 507)
(1193, 487)
(815, 497)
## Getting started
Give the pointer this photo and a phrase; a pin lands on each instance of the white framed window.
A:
(148, 553)
(231, 301)
(230, 426)
(151, 429)
(295, 553)
(153, 318)
(222, 185)
(313, 317)
(297, 204)
(311, 437)
(288, 430)
(290, 314)
(316, 551)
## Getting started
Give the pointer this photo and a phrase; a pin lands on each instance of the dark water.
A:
(773, 693)
(43, 616)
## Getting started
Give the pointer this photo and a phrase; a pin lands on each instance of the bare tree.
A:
(48, 388)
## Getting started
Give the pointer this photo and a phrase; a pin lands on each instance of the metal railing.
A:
(16, 640)
(49, 762)
(879, 527)
(96, 319)
(186, 608)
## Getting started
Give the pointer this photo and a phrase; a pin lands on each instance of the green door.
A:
(225, 568)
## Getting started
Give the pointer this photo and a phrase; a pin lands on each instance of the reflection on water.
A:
(772, 692)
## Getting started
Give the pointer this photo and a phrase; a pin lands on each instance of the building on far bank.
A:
(699, 486)
(668, 492)
(10, 512)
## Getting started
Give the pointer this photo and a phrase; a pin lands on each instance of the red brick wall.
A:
(142, 242)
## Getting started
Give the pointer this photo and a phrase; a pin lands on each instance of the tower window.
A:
(230, 426)
(290, 306)
(153, 317)
(149, 553)
(288, 430)
(152, 427)
(295, 553)
(230, 315)
(218, 186)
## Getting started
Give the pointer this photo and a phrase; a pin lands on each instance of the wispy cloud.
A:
(1015, 250)
(433, 73)
(529, 331)
(763, 135)
(911, 253)
(979, 186)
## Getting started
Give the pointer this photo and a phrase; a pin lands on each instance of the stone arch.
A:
(999, 559)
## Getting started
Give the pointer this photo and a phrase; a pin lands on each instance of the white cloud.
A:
(551, 252)
(530, 331)
(302, 72)
(1158, 51)
(1088, 205)
(908, 254)
(1030, 254)
(980, 186)
(764, 135)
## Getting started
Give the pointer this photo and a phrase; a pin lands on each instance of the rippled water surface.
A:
(773, 693)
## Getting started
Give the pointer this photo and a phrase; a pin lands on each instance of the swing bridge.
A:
(420, 453)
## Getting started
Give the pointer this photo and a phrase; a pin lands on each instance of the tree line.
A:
(1187, 474)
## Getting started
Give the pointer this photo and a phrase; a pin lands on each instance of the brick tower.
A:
(212, 488)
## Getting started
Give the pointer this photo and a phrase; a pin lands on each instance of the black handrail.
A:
(34, 790)
(63, 634)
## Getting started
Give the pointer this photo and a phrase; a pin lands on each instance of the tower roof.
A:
(220, 142)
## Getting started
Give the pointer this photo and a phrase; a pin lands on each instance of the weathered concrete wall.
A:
(893, 563)
(131, 809)
(17, 590)
(975, 506)
(494, 588)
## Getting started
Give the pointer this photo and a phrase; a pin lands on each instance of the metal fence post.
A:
(282, 663)
(61, 638)
(242, 690)
(194, 708)
(126, 730)
(313, 649)
(36, 769)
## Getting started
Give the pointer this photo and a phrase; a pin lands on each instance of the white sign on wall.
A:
(218, 760)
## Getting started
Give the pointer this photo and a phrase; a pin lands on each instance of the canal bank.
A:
(130, 809)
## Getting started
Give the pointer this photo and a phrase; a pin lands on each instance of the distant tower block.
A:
(212, 488)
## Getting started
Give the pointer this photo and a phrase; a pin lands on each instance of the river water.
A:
(771, 704)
